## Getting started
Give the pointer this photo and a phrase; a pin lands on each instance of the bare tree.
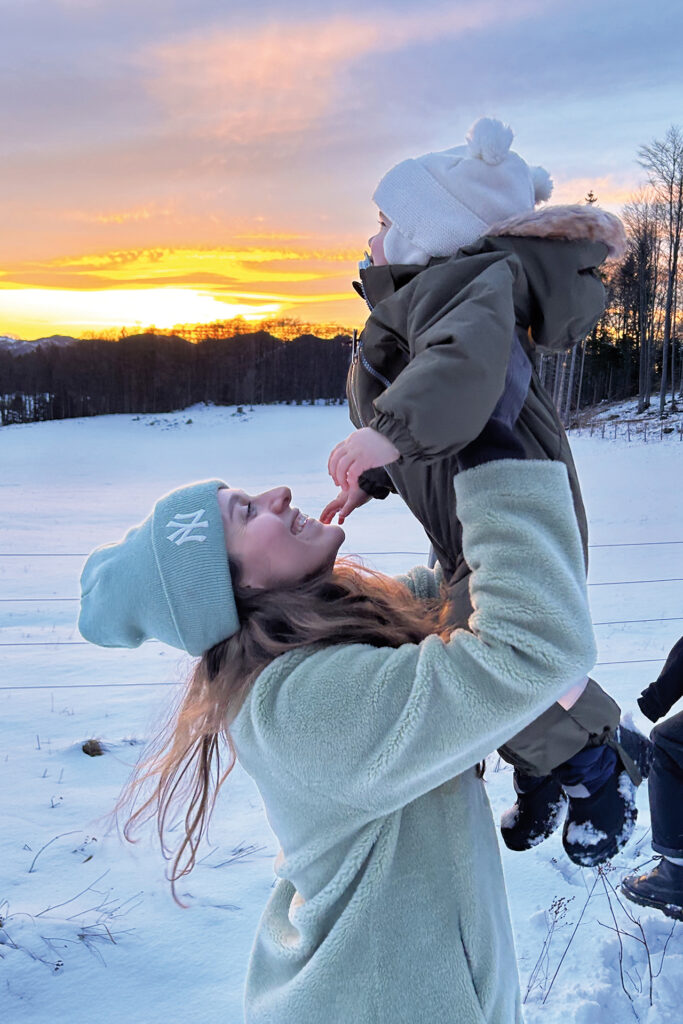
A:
(643, 218)
(663, 160)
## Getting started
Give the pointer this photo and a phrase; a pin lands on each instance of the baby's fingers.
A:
(342, 469)
(331, 509)
(349, 505)
(334, 458)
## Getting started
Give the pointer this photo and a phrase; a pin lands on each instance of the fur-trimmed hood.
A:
(554, 254)
(571, 223)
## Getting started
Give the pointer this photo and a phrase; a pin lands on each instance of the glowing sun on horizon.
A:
(161, 307)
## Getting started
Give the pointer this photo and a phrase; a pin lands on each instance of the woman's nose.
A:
(279, 498)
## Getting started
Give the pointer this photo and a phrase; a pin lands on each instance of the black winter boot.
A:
(600, 825)
(661, 888)
(637, 746)
(535, 814)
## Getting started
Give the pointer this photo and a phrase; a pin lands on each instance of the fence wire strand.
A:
(361, 554)
(107, 686)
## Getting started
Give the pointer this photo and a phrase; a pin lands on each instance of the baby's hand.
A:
(344, 504)
(364, 449)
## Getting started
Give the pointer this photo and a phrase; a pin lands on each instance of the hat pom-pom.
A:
(489, 140)
(542, 182)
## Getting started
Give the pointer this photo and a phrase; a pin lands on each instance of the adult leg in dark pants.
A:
(662, 887)
(666, 787)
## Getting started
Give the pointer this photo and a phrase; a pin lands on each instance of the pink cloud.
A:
(612, 192)
(282, 78)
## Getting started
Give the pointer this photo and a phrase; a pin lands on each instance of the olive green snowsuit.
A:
(450, 344)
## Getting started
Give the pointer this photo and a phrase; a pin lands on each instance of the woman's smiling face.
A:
(273, 543)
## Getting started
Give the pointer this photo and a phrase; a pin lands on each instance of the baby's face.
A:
(376, 243)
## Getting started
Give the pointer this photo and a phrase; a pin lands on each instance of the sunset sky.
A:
(167, 162)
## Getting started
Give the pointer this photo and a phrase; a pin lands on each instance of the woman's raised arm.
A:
(375, 728)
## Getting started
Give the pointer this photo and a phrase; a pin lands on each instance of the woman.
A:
(361, 726)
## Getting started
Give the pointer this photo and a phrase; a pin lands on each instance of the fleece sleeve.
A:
(459, 349)
(374, 728)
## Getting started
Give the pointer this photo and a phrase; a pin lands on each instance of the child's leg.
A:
(576, 736)
(588, 771)
(558, 734)
(598, 775)
(601, 785)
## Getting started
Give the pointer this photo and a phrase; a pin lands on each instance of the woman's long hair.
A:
(346, 604)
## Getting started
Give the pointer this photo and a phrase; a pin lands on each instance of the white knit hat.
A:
(441, 201)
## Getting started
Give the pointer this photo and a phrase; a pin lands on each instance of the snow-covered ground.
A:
(89, 929)
(621, 420)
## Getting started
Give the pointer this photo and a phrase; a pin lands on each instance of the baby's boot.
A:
(536, 812)
(601, 785)
(600, 824)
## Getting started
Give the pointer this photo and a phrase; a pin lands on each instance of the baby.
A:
(465, 282)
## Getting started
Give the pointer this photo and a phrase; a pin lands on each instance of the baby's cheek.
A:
(377, 251)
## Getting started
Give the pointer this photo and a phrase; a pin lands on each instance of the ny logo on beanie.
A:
(183, 533)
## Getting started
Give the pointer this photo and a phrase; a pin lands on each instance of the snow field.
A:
(89, 927)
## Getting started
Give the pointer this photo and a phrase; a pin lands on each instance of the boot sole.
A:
(669, 909)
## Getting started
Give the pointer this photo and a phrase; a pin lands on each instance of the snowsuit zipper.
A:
(357, 354)
(363, 293)
(352, 388)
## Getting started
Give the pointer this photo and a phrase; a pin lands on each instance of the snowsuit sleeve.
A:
(373, 728)
(459, 351)
(376, 482)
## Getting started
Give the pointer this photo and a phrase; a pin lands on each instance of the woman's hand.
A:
(362, 450)
(344, 504)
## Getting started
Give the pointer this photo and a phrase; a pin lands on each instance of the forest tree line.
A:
(636, 348)
(151, 373)
(634, 351)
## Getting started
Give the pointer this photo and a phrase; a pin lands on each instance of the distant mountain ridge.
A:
(20, 346)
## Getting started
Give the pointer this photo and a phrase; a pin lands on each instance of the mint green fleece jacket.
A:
(391, 906)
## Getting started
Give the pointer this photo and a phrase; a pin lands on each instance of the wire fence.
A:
(362, 554)
(627, 430)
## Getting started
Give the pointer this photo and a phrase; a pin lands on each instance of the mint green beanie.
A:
(168, 578)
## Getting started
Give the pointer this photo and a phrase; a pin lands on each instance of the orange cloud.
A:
(230, 264)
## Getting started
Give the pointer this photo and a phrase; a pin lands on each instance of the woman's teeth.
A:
(300, 522)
